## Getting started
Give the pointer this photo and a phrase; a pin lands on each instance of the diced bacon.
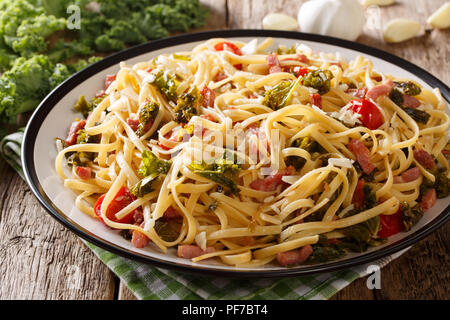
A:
(411, 174)
(359, 93)
(73, 132)
(171, 213)
(133, 123)
(316, 99)
(138, 239)
(398, 179)
(302, 58)
(100, 94)
(271, 183)
(274, 63)
(380, 90)
(188, 251)
(446, 153)
(377, 78)
(428, 199)
(219, 76)
(410, 102)
(358, 195)
(408, 176)
(293, 257)
(424, 158)
(84, 172)
(109, 79)
(362, 155)
(208, 96)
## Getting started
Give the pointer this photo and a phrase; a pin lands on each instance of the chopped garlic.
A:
(290, 179)
(200, 240)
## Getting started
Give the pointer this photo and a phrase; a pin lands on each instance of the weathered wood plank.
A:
(39, 258)
(125, 293)
(422, 273)
(430, 51)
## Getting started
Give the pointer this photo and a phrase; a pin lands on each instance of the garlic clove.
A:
(440, 19)
(368, 3)
(399, 30)
(279, 21)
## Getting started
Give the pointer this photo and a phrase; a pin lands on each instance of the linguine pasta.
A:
(228, 151)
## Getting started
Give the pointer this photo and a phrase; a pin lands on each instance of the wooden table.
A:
(38, 255)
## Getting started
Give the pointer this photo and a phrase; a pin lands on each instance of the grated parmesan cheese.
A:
(341, 162)
(346, 115)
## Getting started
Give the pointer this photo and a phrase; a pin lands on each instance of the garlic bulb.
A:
(337, 18)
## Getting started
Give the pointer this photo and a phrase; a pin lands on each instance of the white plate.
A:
(55, 114)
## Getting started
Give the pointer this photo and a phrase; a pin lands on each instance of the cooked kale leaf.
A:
(187, 105)
(151, 168)
(147, 114)
(408, 87)
(318, 79)
(280, 95)
(221, 171)
(411, 215)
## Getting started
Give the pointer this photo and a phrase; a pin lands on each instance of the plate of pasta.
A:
(245, 153)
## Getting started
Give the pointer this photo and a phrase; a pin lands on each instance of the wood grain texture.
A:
(40, 259)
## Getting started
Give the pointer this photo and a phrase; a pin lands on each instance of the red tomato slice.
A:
(390, 224)
(221, 46)
(300, 71)
(371, 116)
(230, 46)
(120, 201)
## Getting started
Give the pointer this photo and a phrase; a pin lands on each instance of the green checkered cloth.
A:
(148, 282)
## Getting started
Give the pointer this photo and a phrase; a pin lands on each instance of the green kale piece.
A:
(152, 165)
(370, 198)
(280, 95)
(408, 87)
(221, 171)
(284, 50)
(410, 215)
(83, 106)
(166, 83)
(318, 79)
(396, 96)
(147, 114)
(187, 106)
(441, 183)
(167, 230)
(144, 186)
(151, 168)
(418, 115)
(306, 143)
(324, 251)
(24, 86)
